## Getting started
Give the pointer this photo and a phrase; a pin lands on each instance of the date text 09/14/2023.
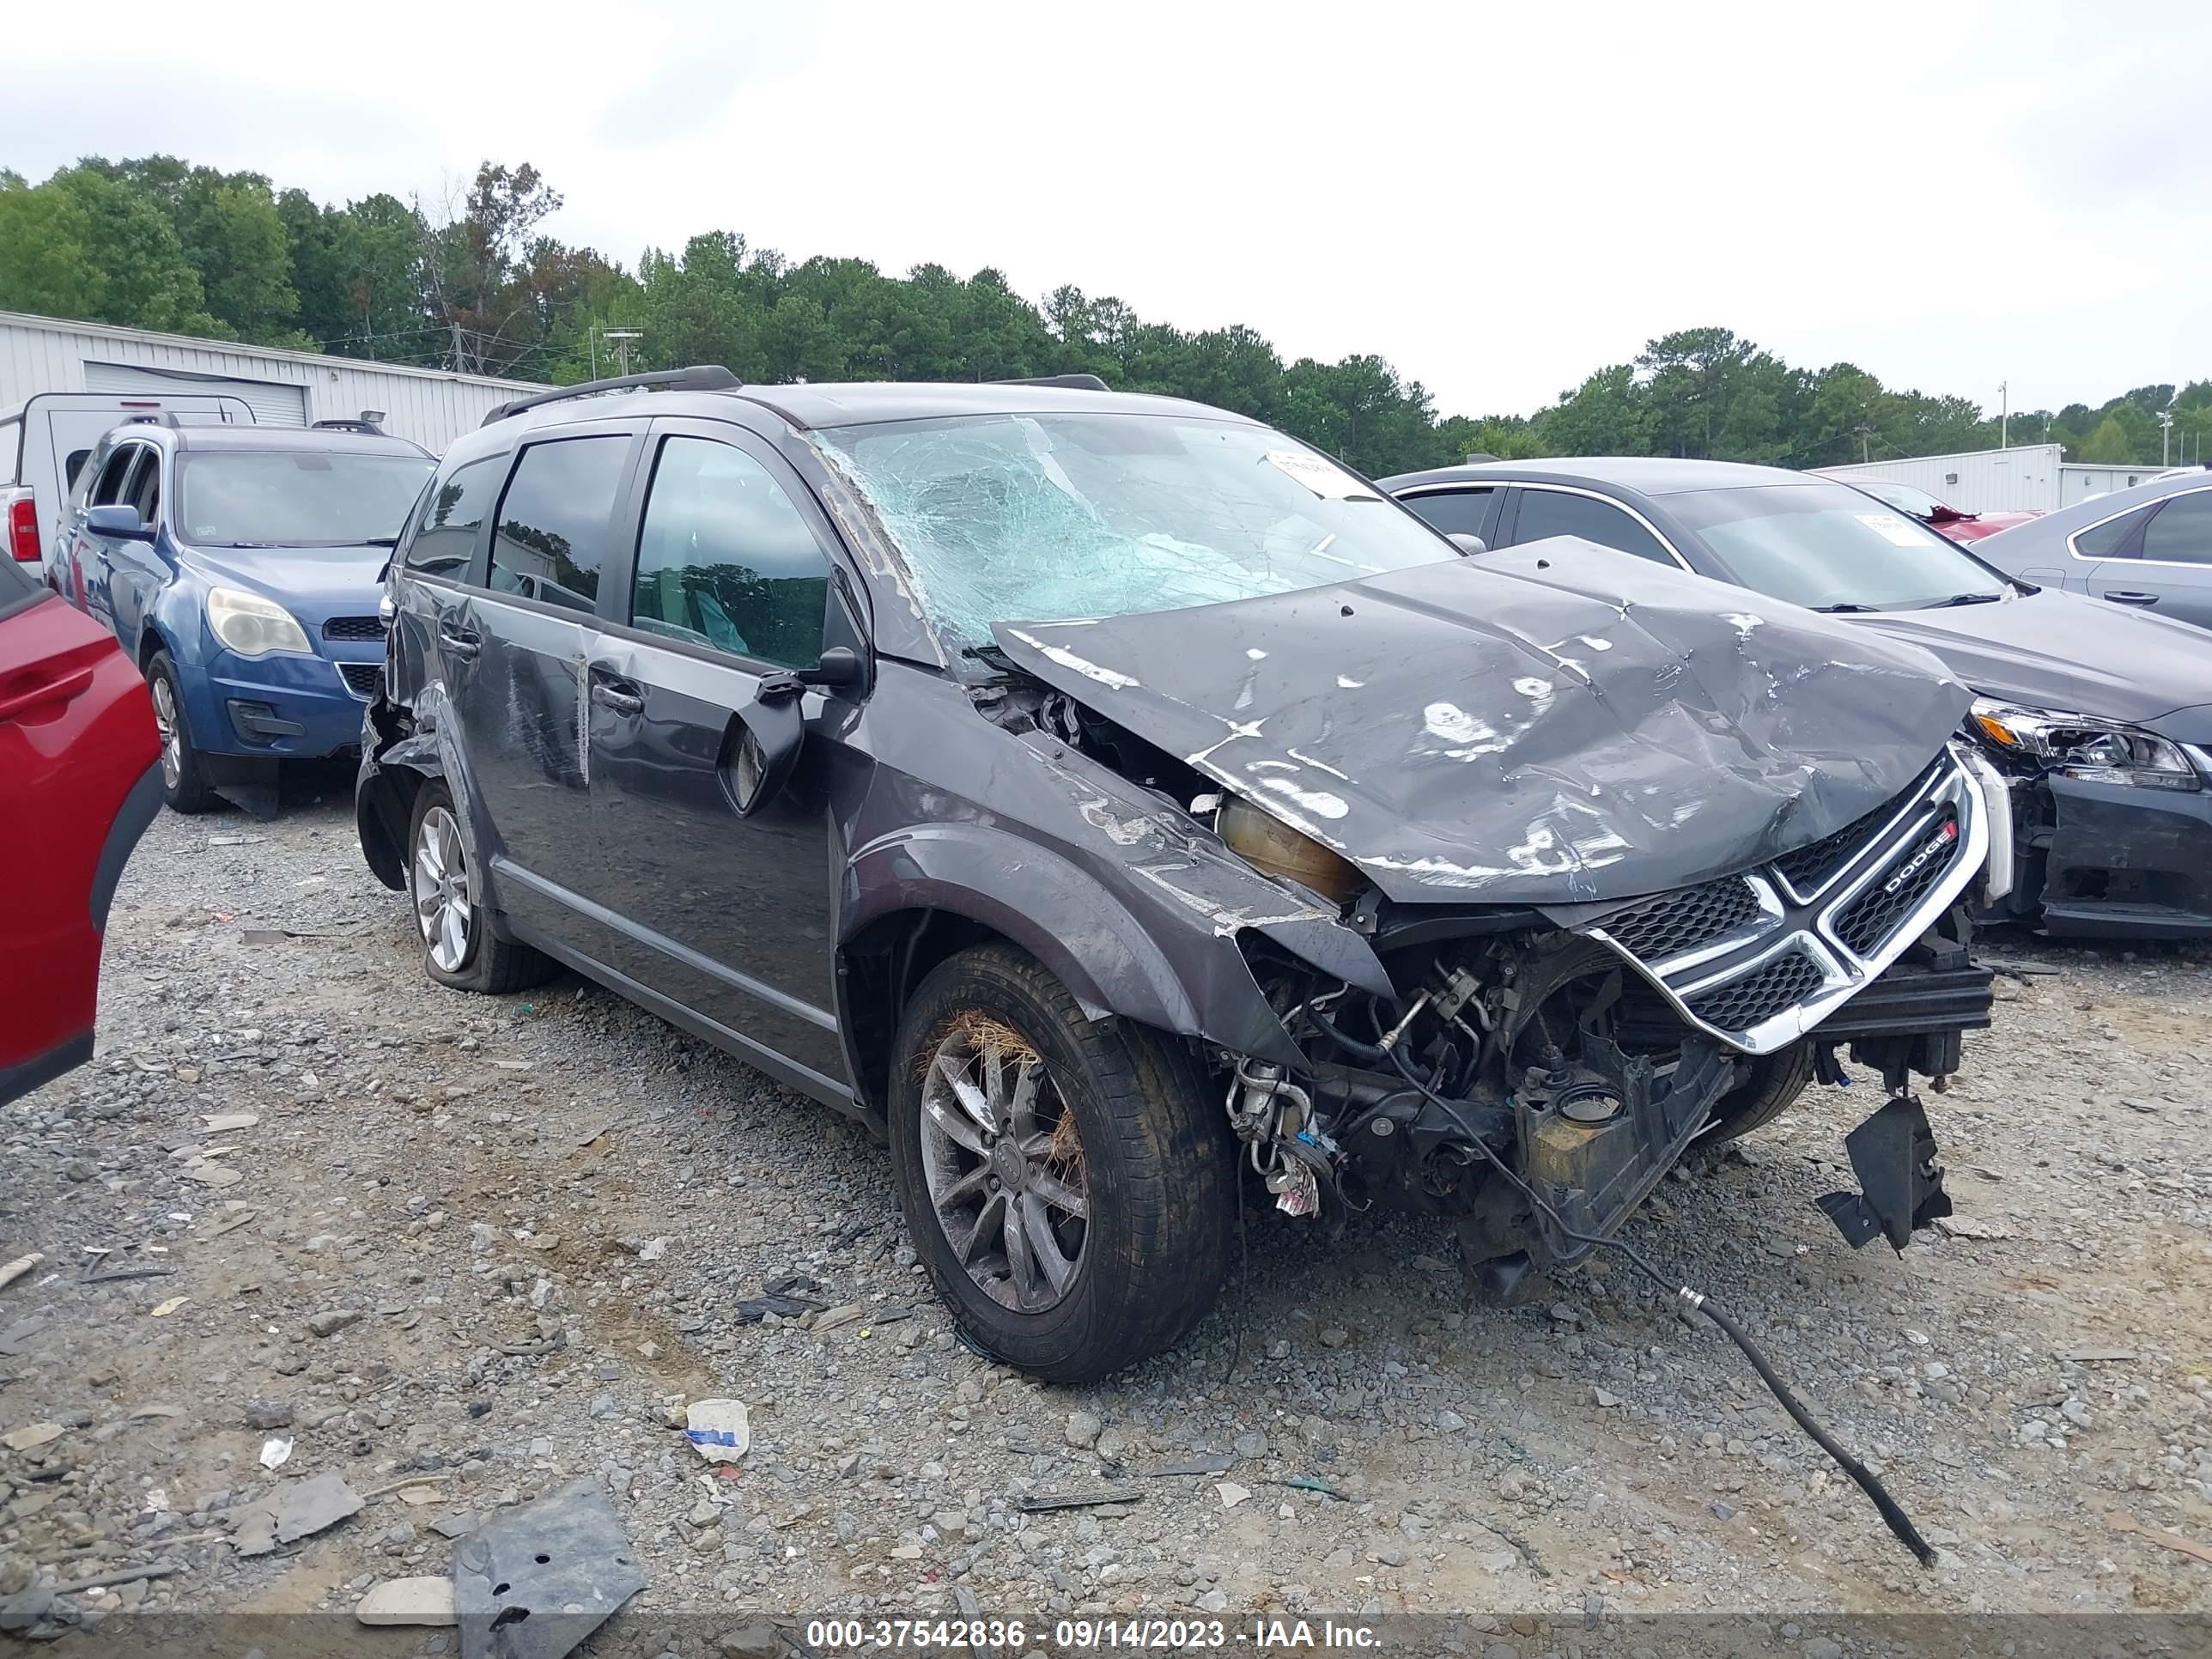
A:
(1078, 1635)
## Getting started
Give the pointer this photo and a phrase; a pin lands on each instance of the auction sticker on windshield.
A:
(1331, 483)
(1890, 528)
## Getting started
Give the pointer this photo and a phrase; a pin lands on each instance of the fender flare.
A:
(1071, 923)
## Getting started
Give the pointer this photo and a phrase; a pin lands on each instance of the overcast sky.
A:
(1497, 198)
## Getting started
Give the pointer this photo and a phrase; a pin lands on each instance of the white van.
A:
(44, 441)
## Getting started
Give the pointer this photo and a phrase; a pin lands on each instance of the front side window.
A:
(1036, 518)
(297, 498)
(552, 540)
(1827, 546)
(113, 485)
(2182, 532)
(724, 559)
(1554, 513)
(452, 514)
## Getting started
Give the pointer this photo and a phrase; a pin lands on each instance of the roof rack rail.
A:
(370, 421)
(1073, 382)
(700, 377)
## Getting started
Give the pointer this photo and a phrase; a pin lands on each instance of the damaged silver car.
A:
(1100, 795)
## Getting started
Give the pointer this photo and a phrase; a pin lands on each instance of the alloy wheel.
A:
(170, 729)
(439, 877)
(1004, 1164)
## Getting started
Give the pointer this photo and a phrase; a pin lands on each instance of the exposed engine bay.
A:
(1539, 1068)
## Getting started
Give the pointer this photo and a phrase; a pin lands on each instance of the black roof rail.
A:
(1073, 382)
(700, 377)
(369, 420)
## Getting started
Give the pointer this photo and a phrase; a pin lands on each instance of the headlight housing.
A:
(2082, 747)
(252, 626)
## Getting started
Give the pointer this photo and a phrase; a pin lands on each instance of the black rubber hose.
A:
(1893, 1512)
(1352, 1045)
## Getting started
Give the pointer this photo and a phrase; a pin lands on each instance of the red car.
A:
(80, 780)
(1939, 516)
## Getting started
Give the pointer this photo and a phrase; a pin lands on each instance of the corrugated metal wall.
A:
(2023, 477)
(43, 354)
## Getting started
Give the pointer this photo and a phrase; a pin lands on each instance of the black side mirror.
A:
(119, 523)
(840, 666)
(1467, 543)
(767, 737)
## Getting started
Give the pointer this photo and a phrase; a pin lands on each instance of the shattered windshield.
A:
(1035, 518)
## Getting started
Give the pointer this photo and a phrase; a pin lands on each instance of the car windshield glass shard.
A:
(291, 500)
(1015, 518)
(1826, 545)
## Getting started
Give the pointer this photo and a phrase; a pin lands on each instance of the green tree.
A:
(45, 259)
(2109, 443)
(147, 279)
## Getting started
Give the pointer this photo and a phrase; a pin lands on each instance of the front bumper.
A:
(2101, 860)
(283, 705)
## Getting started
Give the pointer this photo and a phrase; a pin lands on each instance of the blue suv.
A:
(240, 567)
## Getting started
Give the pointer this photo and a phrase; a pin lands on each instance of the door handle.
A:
(622, 702)
(461, 645)
(58, 693)
(2129, 596)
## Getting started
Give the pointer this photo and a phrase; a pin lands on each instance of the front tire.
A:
(1065, 1186)
(459, 945)
(184, 781)
(1775, 1083)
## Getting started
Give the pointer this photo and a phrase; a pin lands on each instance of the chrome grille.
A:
(1759, 959)
(1867, 920)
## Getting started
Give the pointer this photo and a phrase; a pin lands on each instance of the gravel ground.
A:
(498, 1244)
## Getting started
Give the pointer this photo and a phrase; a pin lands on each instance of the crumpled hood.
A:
(308, 581)
(2054, 650)
(1521, 729)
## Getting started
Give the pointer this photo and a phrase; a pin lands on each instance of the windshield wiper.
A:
(1964, 599)
(1837, 610)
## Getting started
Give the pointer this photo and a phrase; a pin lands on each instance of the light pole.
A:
(2004, 414)
(2166, 438)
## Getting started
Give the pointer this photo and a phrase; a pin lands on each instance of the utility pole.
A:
(2166, 438)
(620, 339)
(1864, 433)
(2004, 413)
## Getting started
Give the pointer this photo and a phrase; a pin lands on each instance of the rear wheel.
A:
(1775, 1081)
(1065, 1184)
(184, 781)
(460, 947)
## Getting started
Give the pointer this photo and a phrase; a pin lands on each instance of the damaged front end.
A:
(1554, 1033)
(1587, 1047)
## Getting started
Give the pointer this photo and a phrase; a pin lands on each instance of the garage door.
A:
(273, 403)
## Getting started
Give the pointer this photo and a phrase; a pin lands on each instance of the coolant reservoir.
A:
(1269, 845)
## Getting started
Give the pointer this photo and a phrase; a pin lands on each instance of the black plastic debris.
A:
(541, 1578)
(1893, 1154)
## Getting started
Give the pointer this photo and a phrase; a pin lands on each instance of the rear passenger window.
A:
(1553, 512)
(2103, 540)
(553, 525)
(2182, 533)
(1454, 512)
(451, 513)
(724, 559)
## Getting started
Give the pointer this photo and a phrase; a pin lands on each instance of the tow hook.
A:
(1893, 1155)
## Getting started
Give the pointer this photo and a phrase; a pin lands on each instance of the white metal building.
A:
(2026, 477)
(282, 388)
